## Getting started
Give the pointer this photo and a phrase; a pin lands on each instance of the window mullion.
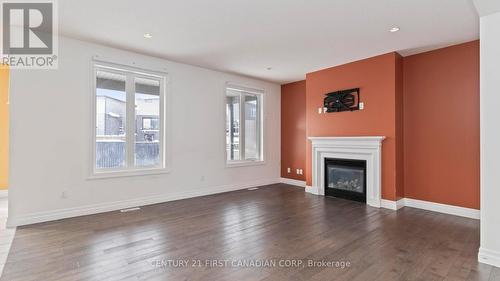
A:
(162, 125)
(130, 138)
(260, 124)
(242, 127)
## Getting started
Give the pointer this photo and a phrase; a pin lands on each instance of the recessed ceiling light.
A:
(148, 35)
(394, 29)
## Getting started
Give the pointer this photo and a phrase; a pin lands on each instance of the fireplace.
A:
(366, 148)
(345, 178)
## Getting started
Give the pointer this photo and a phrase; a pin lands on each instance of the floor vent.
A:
(130, 210)
(253, 188)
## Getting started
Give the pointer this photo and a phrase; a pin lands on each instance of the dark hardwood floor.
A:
(251, 231)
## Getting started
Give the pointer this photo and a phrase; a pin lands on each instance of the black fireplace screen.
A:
(346, 179)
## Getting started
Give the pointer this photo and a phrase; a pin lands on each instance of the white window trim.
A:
(260, 93)
(130, 170)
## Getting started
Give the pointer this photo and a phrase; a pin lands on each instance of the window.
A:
(129, 120)
(149, 123)
(243, 125)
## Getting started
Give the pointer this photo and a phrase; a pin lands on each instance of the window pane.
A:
(147, 122)
(252, 128)
(233, 126)
(111, 108)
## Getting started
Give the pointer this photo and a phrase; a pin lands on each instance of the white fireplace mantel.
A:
(356, 148)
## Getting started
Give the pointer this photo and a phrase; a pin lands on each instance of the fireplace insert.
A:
(345, 178)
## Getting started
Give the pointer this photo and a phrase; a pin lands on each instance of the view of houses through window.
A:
(112, 121)
(233, 126)
(111, 111)
(147, 116)
(243, 125)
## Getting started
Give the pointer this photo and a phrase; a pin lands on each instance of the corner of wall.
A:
(399, 118)
(293, 130)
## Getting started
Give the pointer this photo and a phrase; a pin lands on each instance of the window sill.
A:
(235, 164)
(128, 173)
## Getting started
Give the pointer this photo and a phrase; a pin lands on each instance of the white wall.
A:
(490, 140)
(50, 138)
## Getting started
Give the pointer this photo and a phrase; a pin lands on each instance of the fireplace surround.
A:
(368, 149)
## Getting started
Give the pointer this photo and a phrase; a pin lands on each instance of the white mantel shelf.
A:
(370, 140)
(368, 148)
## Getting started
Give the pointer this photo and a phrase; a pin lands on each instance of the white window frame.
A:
(260, 95)
(131, 74)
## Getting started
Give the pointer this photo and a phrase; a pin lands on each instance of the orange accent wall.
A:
(380, 93)
(4, 127)
(427, 105)
(293, 129)
(441, 125)
(399, 99)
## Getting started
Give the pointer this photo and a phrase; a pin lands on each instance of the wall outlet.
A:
(289, 170)
(298, 171)
(361, 106)
(320, 110)
(301, 172)
(64, 195)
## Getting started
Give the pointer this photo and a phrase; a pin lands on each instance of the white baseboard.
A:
(489, 257)
(420, 204)
(392, 205)
(4, 193)
(443, 208)
(312, 190)
(400, 203)
(431, 206)
(14, 221)
(293, 182)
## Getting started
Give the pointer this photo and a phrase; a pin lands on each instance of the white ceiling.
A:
(486, 7)
(293, 37)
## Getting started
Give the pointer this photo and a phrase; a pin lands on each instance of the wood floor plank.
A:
(277, 223)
